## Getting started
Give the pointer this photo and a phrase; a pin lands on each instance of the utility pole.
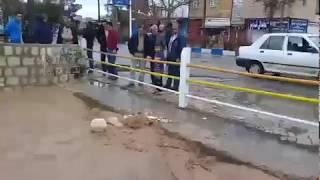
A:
(99, 17)
(130, 18)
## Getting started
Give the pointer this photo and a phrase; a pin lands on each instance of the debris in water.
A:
(204, 118)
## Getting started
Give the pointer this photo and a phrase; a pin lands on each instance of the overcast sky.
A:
(90, 8)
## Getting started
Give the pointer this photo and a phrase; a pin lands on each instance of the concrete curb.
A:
(214, 51)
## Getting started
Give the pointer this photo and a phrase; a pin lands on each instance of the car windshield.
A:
(315, 39)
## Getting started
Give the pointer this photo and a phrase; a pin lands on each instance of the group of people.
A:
(158, 42)
(108, 39)
(39, 31)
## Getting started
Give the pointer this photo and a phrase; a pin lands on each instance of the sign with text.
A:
(120, 2)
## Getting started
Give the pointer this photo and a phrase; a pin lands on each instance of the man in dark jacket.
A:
(149, 46)
(89, 34)
(43, 31)
(136, 48)
(175, 46)
(102, 39)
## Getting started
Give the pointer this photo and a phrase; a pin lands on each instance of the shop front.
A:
(256, 27)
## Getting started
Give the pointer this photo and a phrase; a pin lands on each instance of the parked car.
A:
(282, 53)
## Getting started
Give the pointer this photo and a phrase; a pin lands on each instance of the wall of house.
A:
(253, 9)
(196, 12)
(32, 64)
(222, 9)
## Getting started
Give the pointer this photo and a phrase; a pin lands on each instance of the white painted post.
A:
(184, 76)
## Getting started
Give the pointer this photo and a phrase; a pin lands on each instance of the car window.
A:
(315, 39)
(273, 43)
(299, 44)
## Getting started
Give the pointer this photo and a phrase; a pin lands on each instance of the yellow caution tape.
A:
(254, 91)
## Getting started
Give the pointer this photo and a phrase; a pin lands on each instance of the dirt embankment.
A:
(45, 134)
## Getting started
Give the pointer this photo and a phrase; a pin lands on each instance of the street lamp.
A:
(99, 11)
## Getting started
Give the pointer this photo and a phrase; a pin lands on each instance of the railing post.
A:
(184, 76)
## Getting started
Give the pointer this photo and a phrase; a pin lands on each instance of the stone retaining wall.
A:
(34, 64)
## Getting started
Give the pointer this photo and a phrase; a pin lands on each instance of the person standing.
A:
(89, 35)
(65, 34)
(112, 48)
(149, 46)
(175, 46)
(102, 39)
(13, 29)
(43, 31)
(160, 47)
(136, 48)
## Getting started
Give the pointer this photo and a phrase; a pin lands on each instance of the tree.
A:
(71, 8)
(10, 7)
(168, 6)
(272, 6)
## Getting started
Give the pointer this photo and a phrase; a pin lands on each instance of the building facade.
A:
(208, 21)
(298, 17)
(240, 22)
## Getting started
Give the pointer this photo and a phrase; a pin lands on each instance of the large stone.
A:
(43, 81)
(42, 51)
(114, 121)
(24, 81)
(98, 125)
(1, 82)
(3, 61)
(13, 61)
(21, 71)
(8, 50)
(63, 78)
(26, 50)
(18, 50)
(35, 51)
(28, 61)
(12, 81)
(8, 72)
(55, 80)
(32, 80)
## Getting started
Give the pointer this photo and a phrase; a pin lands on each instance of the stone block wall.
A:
(34, 64)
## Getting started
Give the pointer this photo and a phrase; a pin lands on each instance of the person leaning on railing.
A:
(136, 48)
(175, 46)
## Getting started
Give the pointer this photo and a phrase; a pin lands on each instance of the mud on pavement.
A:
(45, 134)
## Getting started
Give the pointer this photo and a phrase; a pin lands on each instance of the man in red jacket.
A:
(112, 47)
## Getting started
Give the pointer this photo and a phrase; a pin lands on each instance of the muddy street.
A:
(45, 134)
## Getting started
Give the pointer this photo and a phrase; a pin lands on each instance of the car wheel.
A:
(255, 68)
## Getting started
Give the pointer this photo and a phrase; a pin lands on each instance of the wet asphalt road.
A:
(289, 108)
(286, 107)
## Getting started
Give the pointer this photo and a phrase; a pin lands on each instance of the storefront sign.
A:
(217, 22)
(120, 2)
(298, 26)
(258, 24)
(278, 25)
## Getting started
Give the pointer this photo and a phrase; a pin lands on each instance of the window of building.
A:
(213, 3)
(273, 43)
(195, 4)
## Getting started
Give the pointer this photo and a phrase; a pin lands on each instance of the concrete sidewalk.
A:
(223, 136)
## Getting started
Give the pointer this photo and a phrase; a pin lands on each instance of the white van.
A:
(282, 53)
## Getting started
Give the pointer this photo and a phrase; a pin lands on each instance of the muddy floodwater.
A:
(45, 134)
